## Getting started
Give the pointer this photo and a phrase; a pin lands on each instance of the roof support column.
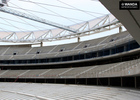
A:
(120, 29)
(78, 39)
(41, 44)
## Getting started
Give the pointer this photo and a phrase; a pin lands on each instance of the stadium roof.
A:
(83, 24)
(129, 18)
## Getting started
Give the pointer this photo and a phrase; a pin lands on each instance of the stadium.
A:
(86, 68)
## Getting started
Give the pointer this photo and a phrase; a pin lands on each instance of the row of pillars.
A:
(133, 82)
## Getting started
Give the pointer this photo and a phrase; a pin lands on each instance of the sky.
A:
(64, 12)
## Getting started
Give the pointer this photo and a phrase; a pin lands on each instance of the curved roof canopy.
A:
(99, 24)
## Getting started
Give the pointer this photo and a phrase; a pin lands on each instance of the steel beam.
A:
(35, 18)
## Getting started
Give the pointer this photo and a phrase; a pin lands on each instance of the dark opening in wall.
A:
(102, 81)
(106, 52)
(138, 82)
(14, 53)
(50, 81)
(132, 82)
(87, 45)
(81, 81)
(128, 82)
(91, 81)
(116, 81)
(37, 52)
(60, 81)
(62, 49)
(70, 81)
(40, 81)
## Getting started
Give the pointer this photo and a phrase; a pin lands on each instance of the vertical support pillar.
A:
(135, 79)
(78, 39)
(121, 82)
(45, 80)
(65, 81)
(72, 57)
(97, 81)
(120, 29)
(41, 44)
(108, 81)
(86, 81)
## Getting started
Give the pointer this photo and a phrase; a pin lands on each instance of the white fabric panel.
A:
(94, 22)
(4, 34)
(56, 31)
(37, 34)
(22, 34)
(77, 26)
(111, 17)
